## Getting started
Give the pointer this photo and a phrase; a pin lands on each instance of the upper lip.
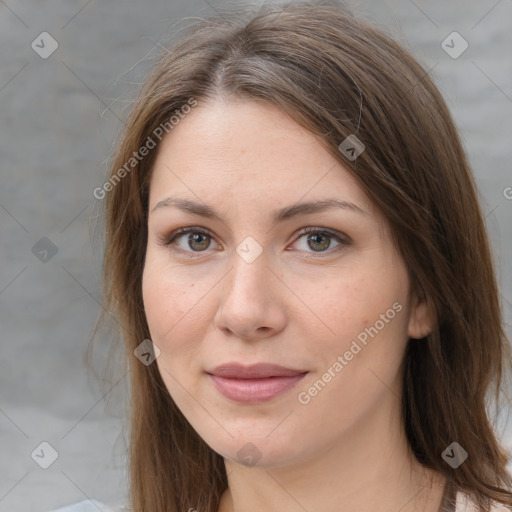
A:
(254, 371)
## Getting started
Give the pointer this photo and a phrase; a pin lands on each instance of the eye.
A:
(319, 240)
(198, 239)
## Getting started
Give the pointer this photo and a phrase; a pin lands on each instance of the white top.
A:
(464, 504)
(90, 506)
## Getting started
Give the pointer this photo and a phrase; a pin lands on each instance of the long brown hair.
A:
(336, 76)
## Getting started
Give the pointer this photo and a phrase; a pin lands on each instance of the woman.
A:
(298, 261)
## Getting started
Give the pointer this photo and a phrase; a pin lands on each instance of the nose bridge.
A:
(248, 304)
(250, 273)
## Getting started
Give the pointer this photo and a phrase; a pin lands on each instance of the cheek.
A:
(166, 302)
(161, 304)
(358, 367)
(367, 309)
(176, 316)
(357, 301)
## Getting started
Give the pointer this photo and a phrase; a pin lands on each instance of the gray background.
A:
(60, 117)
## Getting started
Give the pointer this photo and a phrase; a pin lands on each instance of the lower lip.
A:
(254, 390)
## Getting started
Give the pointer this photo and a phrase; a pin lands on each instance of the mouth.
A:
(256, 383)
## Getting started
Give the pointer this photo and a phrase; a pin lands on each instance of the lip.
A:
(235, 370)
(255, 383)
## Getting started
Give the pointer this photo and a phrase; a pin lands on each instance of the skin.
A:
(292, 306)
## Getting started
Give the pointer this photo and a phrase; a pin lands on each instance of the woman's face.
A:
(246, 285)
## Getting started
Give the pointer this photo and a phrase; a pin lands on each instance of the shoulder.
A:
(465, 503)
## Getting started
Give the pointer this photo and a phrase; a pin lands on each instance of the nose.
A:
(252, 299)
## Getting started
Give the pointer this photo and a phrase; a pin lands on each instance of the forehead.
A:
(251, 151)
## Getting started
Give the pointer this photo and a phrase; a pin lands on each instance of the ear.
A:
(420, 319)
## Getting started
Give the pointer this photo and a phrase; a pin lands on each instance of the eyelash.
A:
(169, 240)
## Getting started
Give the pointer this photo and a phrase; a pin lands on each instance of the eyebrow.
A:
(279, 215)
